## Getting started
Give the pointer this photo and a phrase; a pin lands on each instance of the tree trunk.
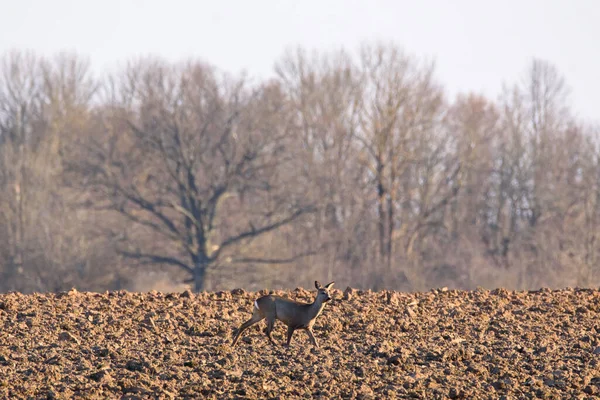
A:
(381, 212)
(199, 277)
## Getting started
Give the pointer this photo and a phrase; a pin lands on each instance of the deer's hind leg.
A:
(257, 316)
(270, 323)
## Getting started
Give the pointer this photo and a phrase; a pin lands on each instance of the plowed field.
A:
(438, 344)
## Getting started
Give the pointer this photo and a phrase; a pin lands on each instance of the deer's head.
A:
(323, 292)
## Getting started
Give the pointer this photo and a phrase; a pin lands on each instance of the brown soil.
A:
(440, 344)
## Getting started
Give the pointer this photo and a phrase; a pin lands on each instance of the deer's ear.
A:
(329, 285)
(317, 284)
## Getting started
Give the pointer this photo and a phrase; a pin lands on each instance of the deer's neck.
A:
(316, 308)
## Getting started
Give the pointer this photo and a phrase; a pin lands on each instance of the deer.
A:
(294, 314)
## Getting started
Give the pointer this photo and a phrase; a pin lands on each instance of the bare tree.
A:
(324, 92)
(43, 103)
(536, 118)
(473, 123)
(20, 108)
(192, 160)
(401, 111)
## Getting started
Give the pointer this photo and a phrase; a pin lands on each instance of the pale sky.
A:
(477, 44)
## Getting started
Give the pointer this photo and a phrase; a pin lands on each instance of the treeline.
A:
(346, 166)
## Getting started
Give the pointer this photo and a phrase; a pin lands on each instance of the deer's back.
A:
(288, 311)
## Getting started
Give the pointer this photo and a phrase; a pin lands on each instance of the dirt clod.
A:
(395, 360)
(66, 336)
(100, 376)
(348, 293)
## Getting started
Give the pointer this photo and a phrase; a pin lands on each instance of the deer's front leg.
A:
(312, 337)
(290, 332)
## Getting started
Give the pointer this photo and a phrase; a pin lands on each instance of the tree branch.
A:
(143, 222)
(155, 259)
(267, 228)
(272, 260)
(150, 207)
